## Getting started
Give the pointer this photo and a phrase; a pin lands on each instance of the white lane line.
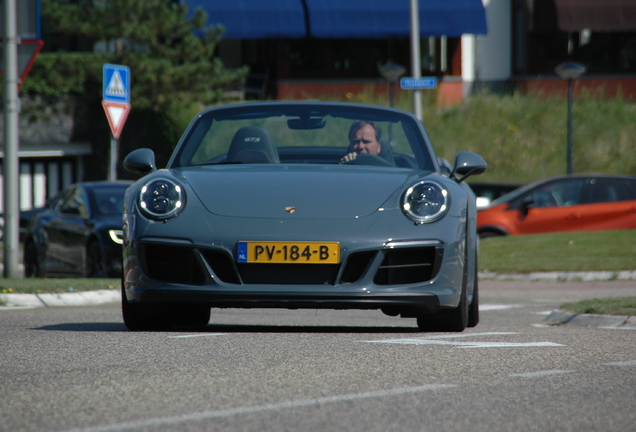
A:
(300, 403)
(541, 374)
(623, 363)
(443, 340)
(468, 344)
(465, 335)
(491, 307)
(197, 335)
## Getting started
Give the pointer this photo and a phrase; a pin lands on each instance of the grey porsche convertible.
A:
(301, 205)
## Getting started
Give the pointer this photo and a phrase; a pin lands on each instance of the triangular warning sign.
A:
(116, 86)
(116, 113)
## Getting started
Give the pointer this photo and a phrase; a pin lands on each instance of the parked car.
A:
(585, 202)
(79, 234)
(260, 208)
(25, 217)
(488, 192)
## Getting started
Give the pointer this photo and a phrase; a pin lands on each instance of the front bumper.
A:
(377, 270)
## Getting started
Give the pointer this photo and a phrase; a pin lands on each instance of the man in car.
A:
(364, 138)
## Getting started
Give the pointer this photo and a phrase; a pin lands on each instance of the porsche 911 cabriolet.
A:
(301, 205)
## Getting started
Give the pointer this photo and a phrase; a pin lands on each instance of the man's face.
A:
(364, 141)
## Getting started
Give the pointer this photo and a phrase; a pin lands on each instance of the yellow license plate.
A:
(289, 252)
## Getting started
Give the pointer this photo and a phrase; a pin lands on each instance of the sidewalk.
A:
(560, 317)
(85, 298)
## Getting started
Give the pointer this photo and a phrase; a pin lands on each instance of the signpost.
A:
(19, 23)
(116, 103)
(423, 83)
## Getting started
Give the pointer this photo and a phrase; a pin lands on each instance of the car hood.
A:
(275, 191)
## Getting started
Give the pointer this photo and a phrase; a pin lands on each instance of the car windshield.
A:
(110, 201)
(304, 134)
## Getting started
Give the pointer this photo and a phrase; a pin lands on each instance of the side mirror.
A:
(467, 164)
(140, 161)
(526, 205)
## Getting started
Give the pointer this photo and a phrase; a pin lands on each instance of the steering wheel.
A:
(366, 159)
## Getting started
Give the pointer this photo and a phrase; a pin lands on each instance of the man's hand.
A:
(349, 157)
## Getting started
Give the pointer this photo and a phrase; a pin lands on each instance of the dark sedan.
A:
(79, 234)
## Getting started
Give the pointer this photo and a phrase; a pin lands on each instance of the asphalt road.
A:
(78, 369)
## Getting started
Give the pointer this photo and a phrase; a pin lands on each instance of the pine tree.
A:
(170, 52)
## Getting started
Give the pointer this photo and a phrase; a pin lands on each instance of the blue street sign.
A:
(116, 83)
(418, 83)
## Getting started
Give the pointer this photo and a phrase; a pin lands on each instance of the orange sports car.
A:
(582, 202)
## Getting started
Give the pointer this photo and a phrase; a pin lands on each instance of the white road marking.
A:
(443, 340)
(623, 363)
(543, 313)
(492, 307)
(197, 335)
(466, 335)
(540, 374)
(300, 403)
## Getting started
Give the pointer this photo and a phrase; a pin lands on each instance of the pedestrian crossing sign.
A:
(116, 84)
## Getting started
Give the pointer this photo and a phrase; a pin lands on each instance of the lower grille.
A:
(187, 265)
(409, 265)
(171, 264)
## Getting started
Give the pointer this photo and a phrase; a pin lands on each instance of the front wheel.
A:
(139, 317)
(32, 265)
(451, 320)
(195, 316)
(473, 309)
(94, 262)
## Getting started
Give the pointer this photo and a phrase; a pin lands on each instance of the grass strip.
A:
(55, 285)
(603, 306)
(571, 252)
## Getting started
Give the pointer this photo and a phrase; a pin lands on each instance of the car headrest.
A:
(252, 144)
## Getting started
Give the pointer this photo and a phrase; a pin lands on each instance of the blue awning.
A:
(348, 19)
(255, 19)
(363, 19)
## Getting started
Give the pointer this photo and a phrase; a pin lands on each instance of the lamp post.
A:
(392, 73)
(570, 71)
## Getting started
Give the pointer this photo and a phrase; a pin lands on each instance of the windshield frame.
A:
(416, 135)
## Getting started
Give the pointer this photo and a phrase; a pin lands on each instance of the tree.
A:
(171, 54)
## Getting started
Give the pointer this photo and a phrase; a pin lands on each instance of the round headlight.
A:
(425, 202)
(161, 199)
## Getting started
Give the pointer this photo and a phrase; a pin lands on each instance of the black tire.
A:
(32, 264)
(196, 316)
(473, 309)
(94, 261)
(450, 320)
(144, 318)
(488, 234)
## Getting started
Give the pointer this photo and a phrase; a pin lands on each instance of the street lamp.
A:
(570, 71)
(392, 73)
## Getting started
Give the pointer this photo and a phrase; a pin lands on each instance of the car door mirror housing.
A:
(468, 164)
(140, 161)
(526, 205)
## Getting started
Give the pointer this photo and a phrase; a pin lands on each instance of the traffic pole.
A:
(416, 69)
(10, 161)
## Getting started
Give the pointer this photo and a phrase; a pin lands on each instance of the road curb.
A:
(84, 298)
(560, 276)
(560, 317)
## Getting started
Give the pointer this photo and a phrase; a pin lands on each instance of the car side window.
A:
(562, 193)
(610, 190)
(72, 203)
